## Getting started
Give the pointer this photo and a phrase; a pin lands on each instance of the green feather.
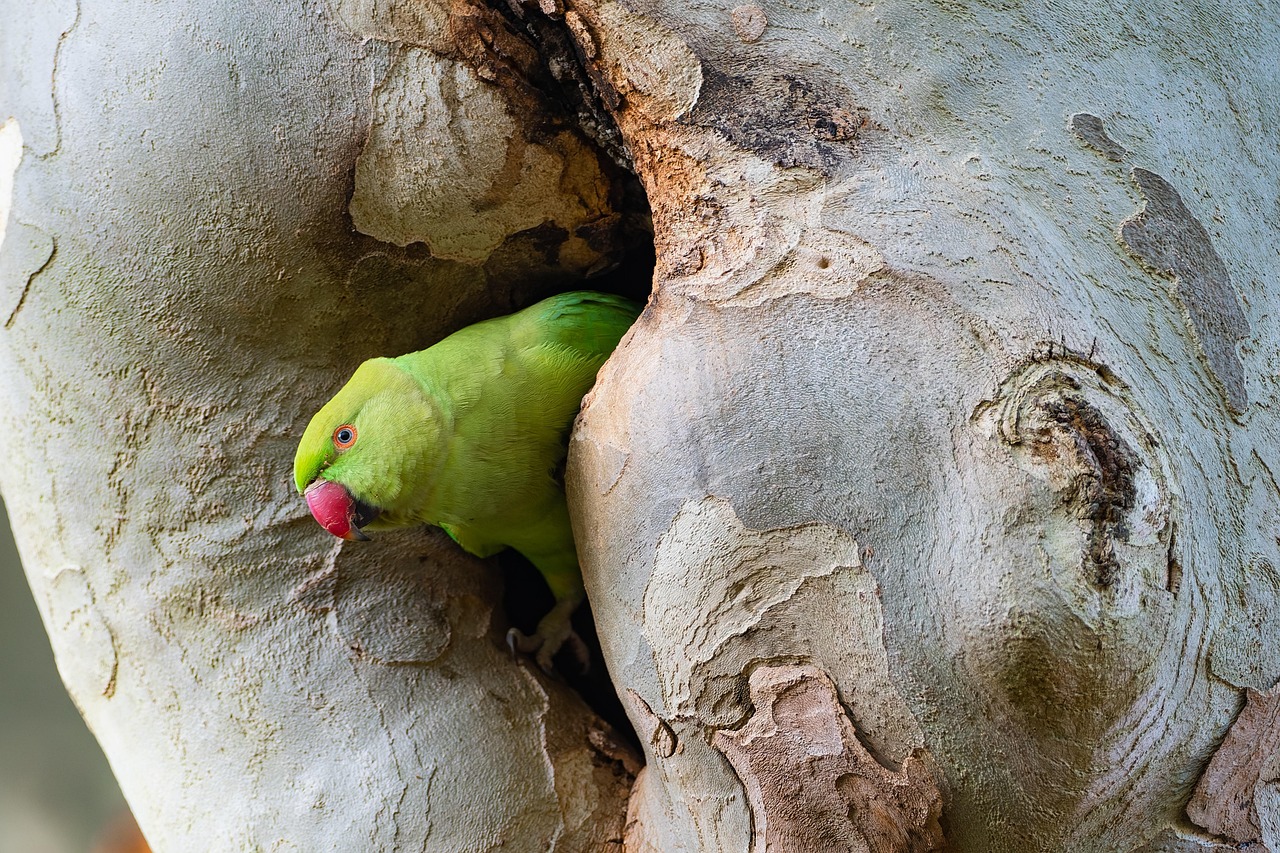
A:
(471, 433)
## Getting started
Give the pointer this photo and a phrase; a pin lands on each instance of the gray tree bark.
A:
(930, 504)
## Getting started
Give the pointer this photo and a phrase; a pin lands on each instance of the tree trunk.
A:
(929, 505)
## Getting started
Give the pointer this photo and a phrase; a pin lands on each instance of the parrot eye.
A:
(344, 436)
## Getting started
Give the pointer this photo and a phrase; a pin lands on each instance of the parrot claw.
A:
(518, 642)
(554, 632)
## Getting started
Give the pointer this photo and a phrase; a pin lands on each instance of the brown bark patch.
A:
(1090, 130)
(1247, 763)
(810, 783)
(749, 22)
(788, 121)
(1168, 238)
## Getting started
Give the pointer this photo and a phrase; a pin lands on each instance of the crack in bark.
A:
(1173, 581)
(53, 86)
(30, 277)
(570, 79)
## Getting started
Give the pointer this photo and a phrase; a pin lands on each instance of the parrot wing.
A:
(560, 344)
(585, 323)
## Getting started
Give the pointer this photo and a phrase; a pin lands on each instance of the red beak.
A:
(335, 509)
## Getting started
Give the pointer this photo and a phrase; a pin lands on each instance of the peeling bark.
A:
(1237, 795)
(812, 786)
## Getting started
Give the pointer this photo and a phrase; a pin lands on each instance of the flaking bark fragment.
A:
(811, 784)
(657, 733)
(1225, 801)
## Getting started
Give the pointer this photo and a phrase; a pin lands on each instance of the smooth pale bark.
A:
(182, 287)
(930, 502)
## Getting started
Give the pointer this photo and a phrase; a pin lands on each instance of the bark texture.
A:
(956, 388)
(931, 502)
(1236, 797)
(182, 287)
(809, 782)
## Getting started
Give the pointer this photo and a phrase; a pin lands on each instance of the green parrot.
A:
(470, 435)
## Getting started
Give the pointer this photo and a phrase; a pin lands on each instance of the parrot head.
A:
(369, 454)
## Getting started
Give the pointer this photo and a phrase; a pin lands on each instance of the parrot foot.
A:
(554, 632)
